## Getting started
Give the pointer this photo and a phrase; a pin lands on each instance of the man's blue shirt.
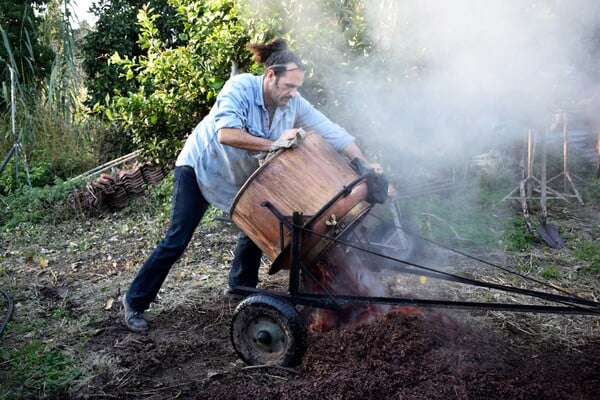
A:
(221, 170)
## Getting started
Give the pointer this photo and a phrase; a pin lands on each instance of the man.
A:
(252, 115)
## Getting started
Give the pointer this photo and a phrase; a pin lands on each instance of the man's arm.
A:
(243, 140)
(353, 151)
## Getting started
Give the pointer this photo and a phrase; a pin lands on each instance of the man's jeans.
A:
(245, 264)
(188, 208)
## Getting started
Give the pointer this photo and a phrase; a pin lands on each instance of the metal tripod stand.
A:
(530, 184)
(568, 177)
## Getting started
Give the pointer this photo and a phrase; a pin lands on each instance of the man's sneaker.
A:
(134, 319)
(230, 292)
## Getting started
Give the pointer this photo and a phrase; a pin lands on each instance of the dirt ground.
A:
(83, 268)
(428, 355)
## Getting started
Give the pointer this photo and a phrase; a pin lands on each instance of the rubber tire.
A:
(286, 331)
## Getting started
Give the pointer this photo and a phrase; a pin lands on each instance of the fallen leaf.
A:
(109, 303)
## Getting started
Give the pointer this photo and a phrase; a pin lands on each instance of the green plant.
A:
(47, 119)
(160, 196)
(177, 85)
(516, 237)
(23, 46)
(36, 370)
(36, 204)
(550, 272)
(589, 254)
(117, 31)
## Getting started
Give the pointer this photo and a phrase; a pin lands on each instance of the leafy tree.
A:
(117, 31)
(22, 47)
(178, 78)
(178, 84)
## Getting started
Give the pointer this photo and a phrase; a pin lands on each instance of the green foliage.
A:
(550, 272)
(117, 31)
(516, 237)
(177, 84)
(54, 145)
(160, 198)
(57, 139)
(36, 371)
(15, 175)
(23, 47)
(589, 255)
(210, 217)
(37, 204)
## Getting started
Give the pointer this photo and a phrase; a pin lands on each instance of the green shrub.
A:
(38, 204)
(589, 255)
(178, 85)
(516, 237)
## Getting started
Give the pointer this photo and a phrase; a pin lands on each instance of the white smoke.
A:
(452, 78)
(465, 74)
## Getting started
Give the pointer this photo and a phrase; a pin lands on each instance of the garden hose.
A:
(10, 307)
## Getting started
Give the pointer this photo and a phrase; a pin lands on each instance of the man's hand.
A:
(290, 138)
(376, 182)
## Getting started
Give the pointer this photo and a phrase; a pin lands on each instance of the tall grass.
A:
(56, 133)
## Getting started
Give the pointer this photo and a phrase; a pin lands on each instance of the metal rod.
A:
(294, 283)
(566, 174)
(334, 301)
(543, 179)
(468, 281)
(11, 152)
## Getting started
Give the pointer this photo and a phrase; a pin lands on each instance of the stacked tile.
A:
(108, 193)
(98, 191)
(117, 198)
(132, 179)
(153, 174)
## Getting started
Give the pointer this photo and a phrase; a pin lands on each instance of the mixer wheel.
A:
(266, 330)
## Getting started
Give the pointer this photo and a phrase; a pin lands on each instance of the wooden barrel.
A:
(307, 179)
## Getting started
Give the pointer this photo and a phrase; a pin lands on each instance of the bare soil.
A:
(73, 275)
(428, 355)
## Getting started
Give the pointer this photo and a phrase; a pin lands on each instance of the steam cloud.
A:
(486, 70)
(452, 77)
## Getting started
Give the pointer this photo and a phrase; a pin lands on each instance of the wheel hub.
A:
(266, 334)
(268, 331)
(264, 337)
